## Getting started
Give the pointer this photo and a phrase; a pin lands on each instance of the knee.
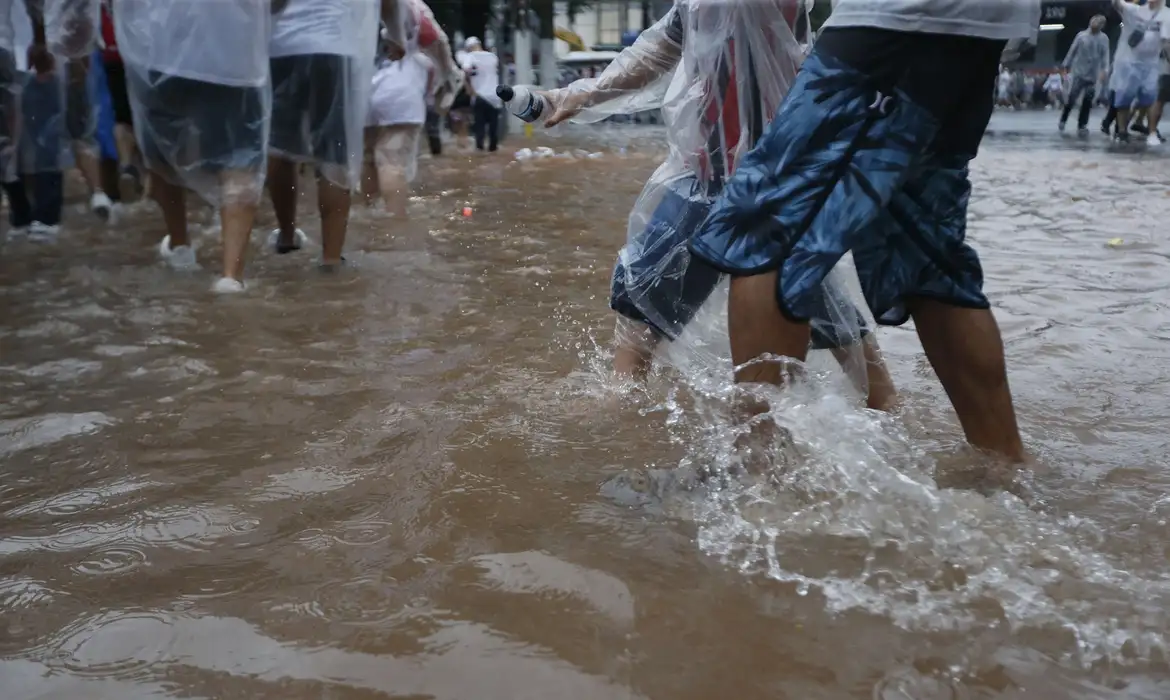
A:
(241, 189)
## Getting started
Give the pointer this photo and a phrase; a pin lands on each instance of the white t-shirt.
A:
(1053, 82)
(399, 93)
(483, 69)
(989, 19)
(1155, 28)
(324, 27)
(224, 42)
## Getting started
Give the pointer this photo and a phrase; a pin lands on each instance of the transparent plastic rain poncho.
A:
(398, 110)
(49, 115)
(322, 63)
(9, 91)
(718, 70)
(71, 26)
(197, 77)
(424, 34)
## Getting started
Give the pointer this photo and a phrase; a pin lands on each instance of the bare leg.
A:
(966, 351)
(238, 212)
(369, 169)
(392, 182)
(1123, 121)
(757, 328)
(87, 162)
(172, 199)
(1154, 116)
(878, 388)
(333, 202)
(883, 396)
(633, 351)
(392, 172)
(129, 185)
(282, 187)
(126, 145)
(460, 129)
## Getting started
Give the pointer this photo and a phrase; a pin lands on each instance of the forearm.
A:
(36, 15)
(394, 19)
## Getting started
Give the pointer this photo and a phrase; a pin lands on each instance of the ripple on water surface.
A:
(309, 430)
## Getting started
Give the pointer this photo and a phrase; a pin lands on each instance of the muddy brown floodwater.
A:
(389, 483)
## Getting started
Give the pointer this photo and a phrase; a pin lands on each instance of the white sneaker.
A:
(1153, 140)
(179, 258)
(17, 233)
(227, 285)
(299, 241)
(43, 233)
(101, 205)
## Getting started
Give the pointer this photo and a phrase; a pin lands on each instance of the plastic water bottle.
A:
(524, 103)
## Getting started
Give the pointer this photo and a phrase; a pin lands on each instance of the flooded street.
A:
(390, 482)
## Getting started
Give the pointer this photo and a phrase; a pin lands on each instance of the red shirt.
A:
(109, 37)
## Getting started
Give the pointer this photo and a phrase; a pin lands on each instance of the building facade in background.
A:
(605, 22)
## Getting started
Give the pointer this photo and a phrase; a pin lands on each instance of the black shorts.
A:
(190, 124)
(116, 83)
(1164, 89)
(462, 100)
(310, 107)
(9, 88)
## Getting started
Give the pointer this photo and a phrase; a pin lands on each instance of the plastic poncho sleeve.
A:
(394, 18)
(432, 41)
(633, 82)
(71, 26)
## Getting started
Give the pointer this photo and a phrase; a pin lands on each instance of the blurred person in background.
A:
(402, 87)
(322, 53)
(1137, 62)
(130, 181)
(1155, 112)
(1053, 90)
(69, 30)
(197, 75)
(394, 126)
(1087, 64)
(434, 123)
(483, 75)
(41, 146)
(19, 216)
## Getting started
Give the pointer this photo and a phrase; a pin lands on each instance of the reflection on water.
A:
(413, 480)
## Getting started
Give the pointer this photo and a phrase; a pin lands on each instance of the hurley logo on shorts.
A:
(881, 103)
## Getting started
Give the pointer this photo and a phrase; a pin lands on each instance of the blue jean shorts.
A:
(868, 154)
(658, 282)
(1135, 84)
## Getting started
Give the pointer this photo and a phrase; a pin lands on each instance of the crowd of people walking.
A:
(224, 99)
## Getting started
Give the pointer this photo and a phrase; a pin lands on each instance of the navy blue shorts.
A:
(672, 285)
(868, 154)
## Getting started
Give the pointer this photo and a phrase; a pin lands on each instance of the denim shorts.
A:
(658, 282)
